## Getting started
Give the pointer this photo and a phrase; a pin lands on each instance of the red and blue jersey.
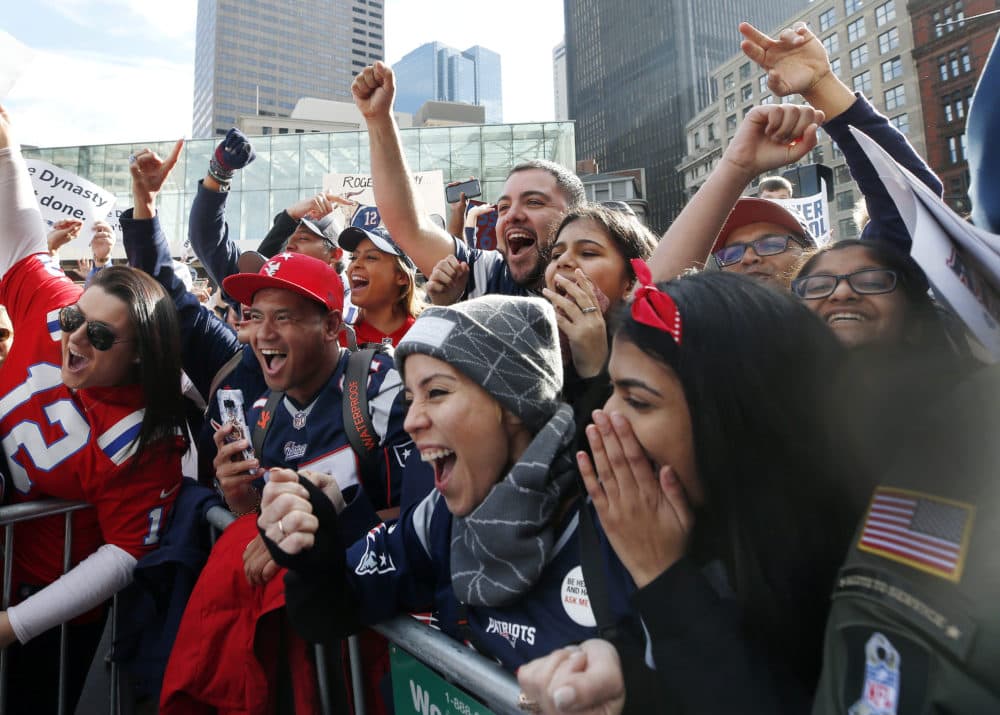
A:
(72, 444)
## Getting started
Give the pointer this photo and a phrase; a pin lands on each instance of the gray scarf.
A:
(501, 548)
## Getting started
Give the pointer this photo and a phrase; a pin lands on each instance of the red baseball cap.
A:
(750, 210)
(307, 276)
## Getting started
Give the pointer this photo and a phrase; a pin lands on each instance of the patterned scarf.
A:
(501, 548)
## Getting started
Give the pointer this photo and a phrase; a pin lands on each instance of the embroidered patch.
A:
(294, 451)
(575, 600)
(923, 531)
(430, 330)
(403, 451)
(373, 562)
(880, 692)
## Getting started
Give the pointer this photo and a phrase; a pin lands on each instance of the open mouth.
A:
(518, 241)
(76, 361)
(273, 359)
(358, 283)
(443, 460)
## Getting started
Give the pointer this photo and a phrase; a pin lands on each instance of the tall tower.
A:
(435, 71)
(261, 59)
(637, 71)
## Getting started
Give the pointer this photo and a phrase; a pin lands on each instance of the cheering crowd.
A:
(722, 470)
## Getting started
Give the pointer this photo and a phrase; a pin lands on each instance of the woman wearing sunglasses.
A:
(90, 410)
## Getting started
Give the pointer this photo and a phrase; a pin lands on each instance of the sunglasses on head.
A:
(100, 335)
(764, 246)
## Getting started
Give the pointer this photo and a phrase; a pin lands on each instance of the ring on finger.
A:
(589, 309)
(281, 528)
(527, 704)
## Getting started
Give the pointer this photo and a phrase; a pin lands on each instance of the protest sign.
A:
(962, 262)
(14, 59)
(62, 194)
(815, 209)
(358, 190)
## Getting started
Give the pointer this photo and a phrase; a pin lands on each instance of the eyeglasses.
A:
(764, 246)
(100, 335)
(869, 281)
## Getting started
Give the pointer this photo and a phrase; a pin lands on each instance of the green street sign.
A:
(419, 690)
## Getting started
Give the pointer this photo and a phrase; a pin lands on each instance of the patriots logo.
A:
(373, 562)
(403, 452)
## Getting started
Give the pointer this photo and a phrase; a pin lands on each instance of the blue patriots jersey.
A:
(313, 437)
(488, 272)
(406, 567)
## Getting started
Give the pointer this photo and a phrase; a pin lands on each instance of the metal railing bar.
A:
(483, 678)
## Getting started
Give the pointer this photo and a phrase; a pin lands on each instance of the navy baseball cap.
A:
(352, 236)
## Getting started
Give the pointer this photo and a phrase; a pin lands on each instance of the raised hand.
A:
(149, 171)
(374, 90)
(234, 474)
(773, 135)
(796, 61)
(646, 516)
(234, 152)
(63, 232)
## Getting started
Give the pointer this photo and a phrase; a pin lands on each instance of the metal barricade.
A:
(458, 664)
(13, 514)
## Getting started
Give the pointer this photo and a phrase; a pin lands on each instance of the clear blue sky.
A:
(121, 70)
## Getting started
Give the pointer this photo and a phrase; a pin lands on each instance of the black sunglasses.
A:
(100, 335)
(764, 246)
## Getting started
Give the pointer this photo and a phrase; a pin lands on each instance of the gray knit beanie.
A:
(508, 345)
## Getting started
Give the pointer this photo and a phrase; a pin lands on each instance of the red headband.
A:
(652, 306)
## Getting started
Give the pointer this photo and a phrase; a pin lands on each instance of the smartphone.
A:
(231, 411)
(470, 188)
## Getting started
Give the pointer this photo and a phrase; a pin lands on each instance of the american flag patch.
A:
(920, 530)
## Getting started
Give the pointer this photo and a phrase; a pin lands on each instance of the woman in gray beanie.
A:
(493, 549)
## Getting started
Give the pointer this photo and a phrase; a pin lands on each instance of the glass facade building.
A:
(435, 71)
(289, 167)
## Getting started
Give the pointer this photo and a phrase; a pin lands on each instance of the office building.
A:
(637, 71)
(559, 88)
(436, 72)
(869, 45)
(260, 58)
(952, 39)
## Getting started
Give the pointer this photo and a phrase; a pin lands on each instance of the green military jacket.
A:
(915, 621)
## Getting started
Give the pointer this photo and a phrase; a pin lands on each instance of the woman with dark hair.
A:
(90, 410)
(588, 275)
(870, 293)
(719, 483)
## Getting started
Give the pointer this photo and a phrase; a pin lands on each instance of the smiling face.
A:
(375, 277)
(649, 395)
(585, 245)
(83, 365)
(527, 214)
(295, 341)
(774, 270)
(307, 243)
(461, 430)
(858, 319)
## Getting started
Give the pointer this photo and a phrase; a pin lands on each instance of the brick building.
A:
(950, 46)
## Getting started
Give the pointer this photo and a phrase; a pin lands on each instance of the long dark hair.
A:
(780, 505)
(158, 347)
(626, 231)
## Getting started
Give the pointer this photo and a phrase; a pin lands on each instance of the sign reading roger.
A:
(62, 194)
(359, 190)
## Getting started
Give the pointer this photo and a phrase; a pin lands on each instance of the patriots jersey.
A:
(406, 566)
(68, 444)
(312, 436)
(488, 272)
